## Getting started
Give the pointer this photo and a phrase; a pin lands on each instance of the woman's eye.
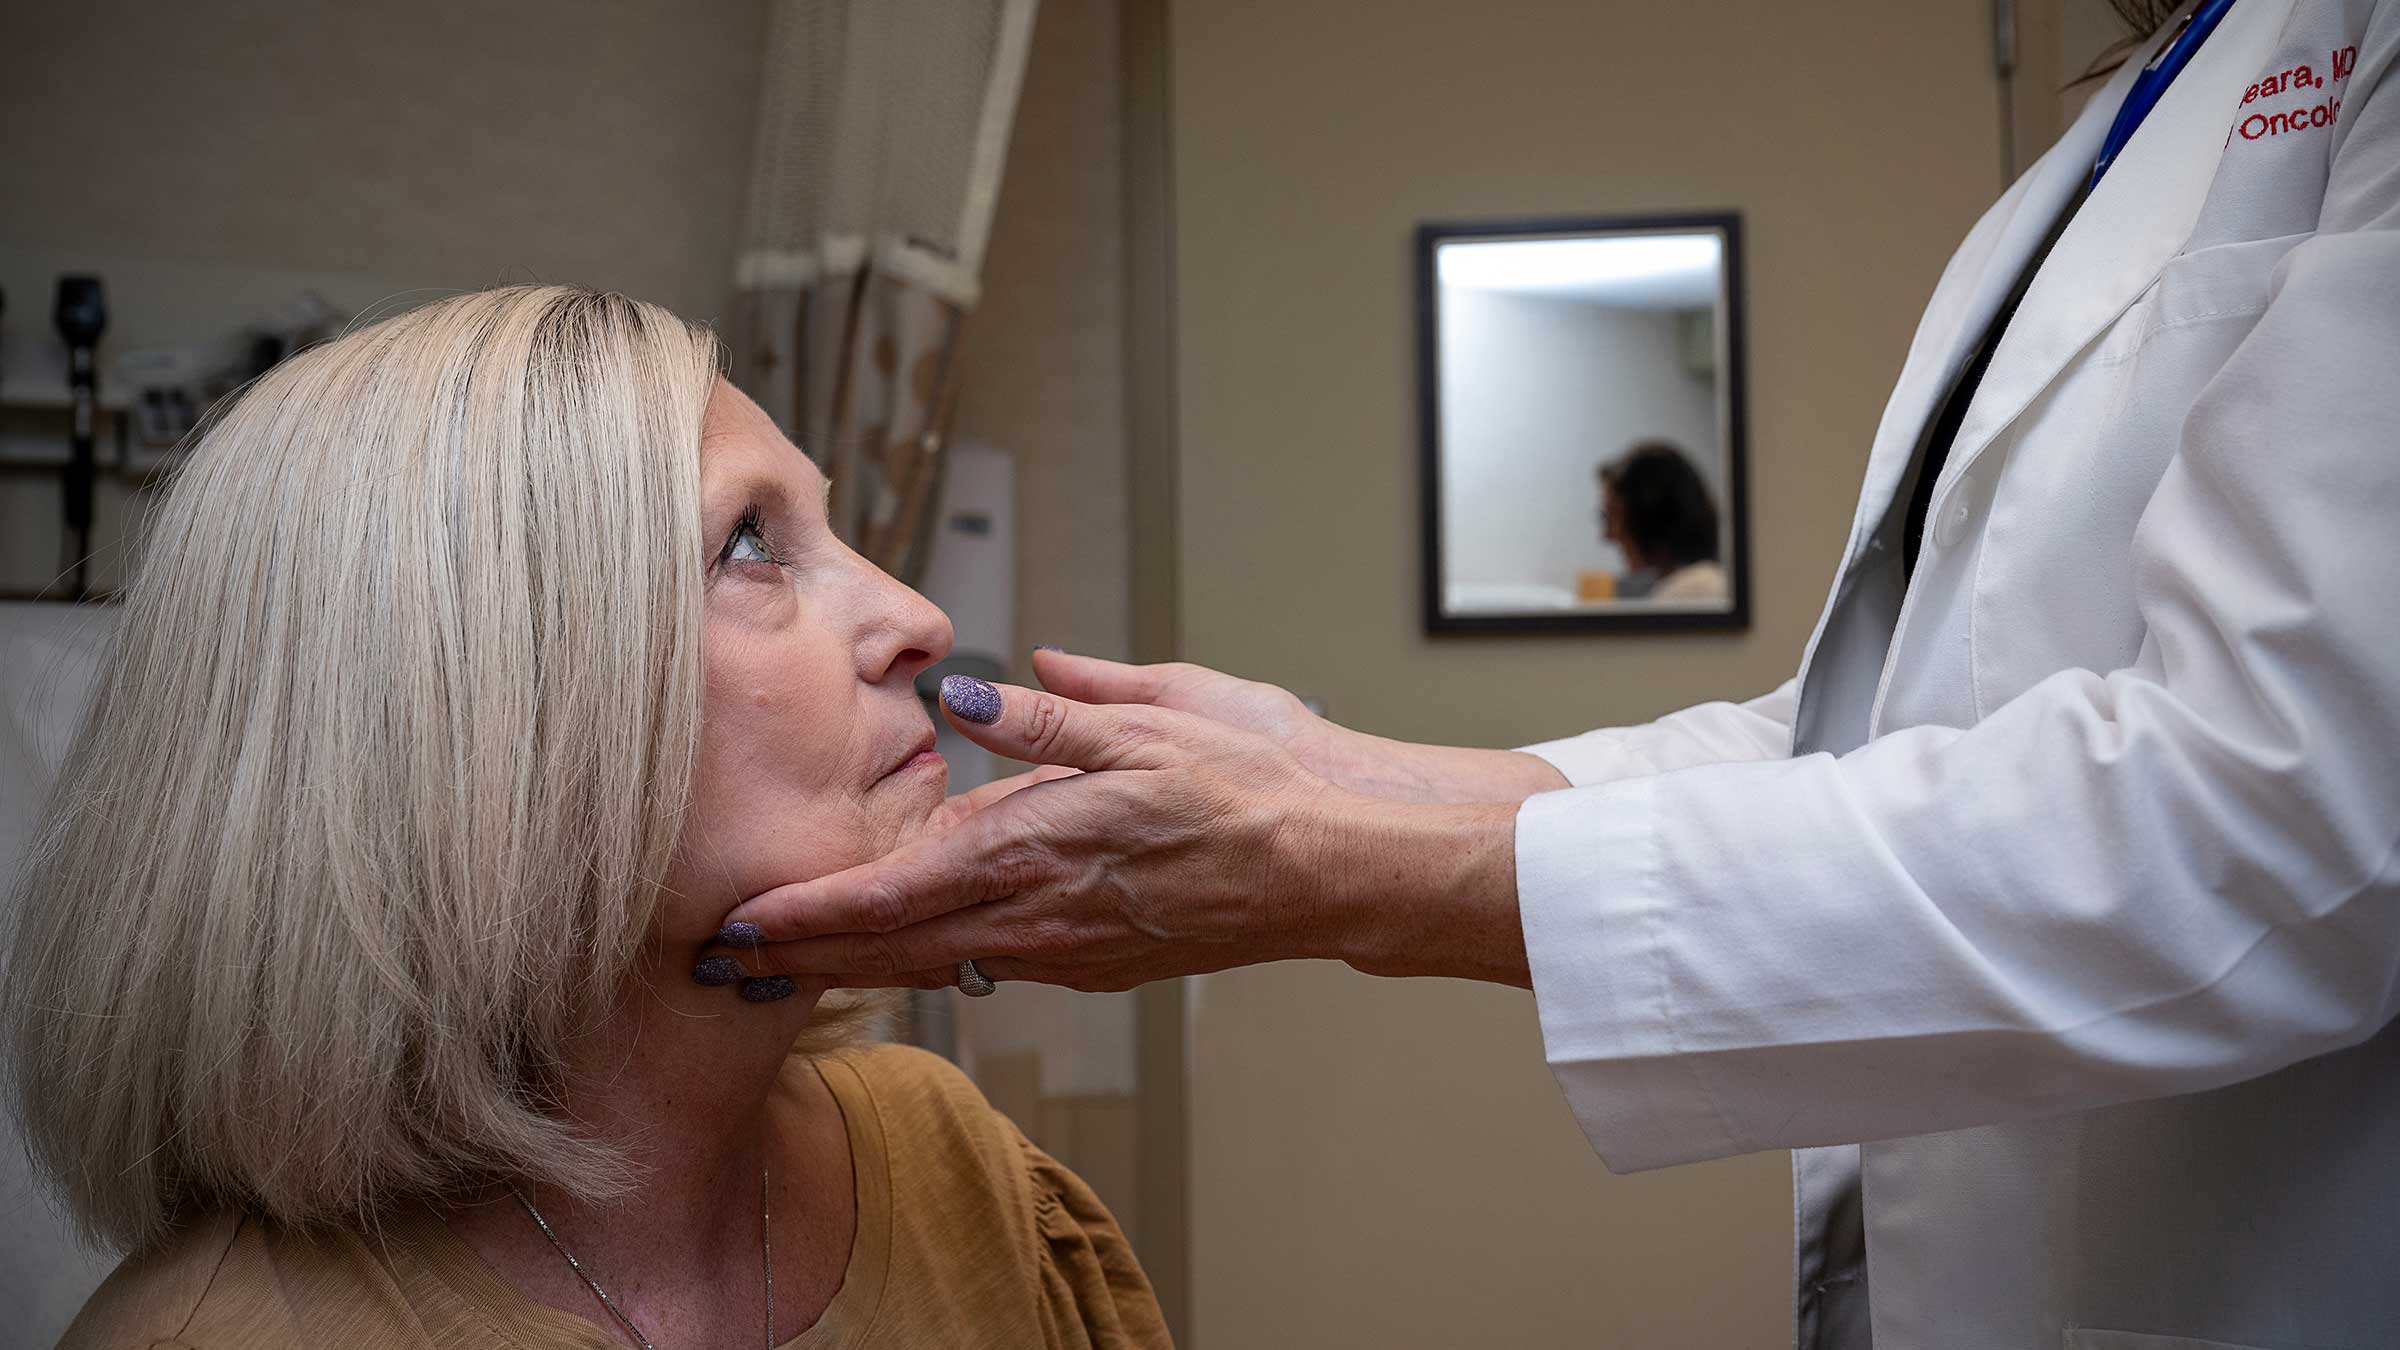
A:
(747, 546)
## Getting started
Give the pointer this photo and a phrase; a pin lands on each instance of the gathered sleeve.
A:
(1093, 1291)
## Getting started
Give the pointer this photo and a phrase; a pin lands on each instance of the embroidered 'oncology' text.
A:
(2258, 124)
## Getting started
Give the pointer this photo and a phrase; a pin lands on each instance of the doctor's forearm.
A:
(1404, 771)
(1413, 889)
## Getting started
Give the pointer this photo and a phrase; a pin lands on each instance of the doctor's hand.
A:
(1371, 765)
(1186, 846)
(958, 806)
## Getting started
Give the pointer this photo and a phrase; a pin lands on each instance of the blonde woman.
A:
(364, 986)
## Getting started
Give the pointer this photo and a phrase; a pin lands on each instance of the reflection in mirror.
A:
(1583, 432)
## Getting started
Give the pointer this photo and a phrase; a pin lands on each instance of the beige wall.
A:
(213, 161)
(1045, 351)
(445, 144)
(1386, 1162)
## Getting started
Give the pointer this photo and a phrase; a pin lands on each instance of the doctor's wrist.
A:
(1415, 889)
(1404, 771)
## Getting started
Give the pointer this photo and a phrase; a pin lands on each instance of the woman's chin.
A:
(917, 793)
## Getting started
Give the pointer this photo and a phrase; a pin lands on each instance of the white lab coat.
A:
(2078, 901)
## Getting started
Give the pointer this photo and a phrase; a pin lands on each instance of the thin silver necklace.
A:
(766, 1256)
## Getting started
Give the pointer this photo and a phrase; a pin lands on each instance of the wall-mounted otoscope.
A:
(81, 316)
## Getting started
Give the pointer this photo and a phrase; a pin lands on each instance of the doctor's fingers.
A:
(979, 859)
(1179, 686)
(1004, 946)
(962, 805)
(936, 945)
(1093, 679)
(1043, 728)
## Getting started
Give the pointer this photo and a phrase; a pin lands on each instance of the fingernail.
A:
(1046, 647)
(971, 699)
(766, 988)
(741, 934)
(717, 971)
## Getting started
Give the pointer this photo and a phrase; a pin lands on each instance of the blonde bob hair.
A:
(368, 819)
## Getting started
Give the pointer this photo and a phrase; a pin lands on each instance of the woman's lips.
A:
(919, 755)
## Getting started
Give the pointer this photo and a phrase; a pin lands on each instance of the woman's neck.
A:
(680, 1076)
(679, 1082)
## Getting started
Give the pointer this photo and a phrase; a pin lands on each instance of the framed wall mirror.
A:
(1580, 392)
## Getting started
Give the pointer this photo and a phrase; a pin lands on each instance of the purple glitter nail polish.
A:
(741, 934)
(971, 698)
(766, 989)
(1046, 647)
(717, 971)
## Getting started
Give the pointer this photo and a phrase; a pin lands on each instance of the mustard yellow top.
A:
(967, 1235)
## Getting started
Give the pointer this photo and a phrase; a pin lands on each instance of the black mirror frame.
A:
(1429, 237)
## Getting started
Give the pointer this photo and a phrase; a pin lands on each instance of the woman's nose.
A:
(913, 634)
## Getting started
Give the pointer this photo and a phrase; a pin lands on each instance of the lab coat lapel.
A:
(1963, 306)
(2126, 231)
(1972, 288)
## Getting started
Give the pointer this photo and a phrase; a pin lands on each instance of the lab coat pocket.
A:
(2053, 582)
(2221, 280)
(2092, 1338)
(2197, 289)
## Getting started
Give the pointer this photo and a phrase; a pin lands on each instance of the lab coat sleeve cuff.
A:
(1602, 756)
(1595, 919)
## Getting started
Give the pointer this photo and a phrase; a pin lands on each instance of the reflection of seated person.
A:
(1657, 511)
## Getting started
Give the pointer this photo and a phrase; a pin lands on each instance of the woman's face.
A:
(814, 752)
(1612, 529)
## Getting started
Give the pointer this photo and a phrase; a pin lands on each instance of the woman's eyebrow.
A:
(765, 491)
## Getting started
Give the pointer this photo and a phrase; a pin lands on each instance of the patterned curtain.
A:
(882, 128)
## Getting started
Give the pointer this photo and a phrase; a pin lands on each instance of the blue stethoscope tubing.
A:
(2154, 79)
